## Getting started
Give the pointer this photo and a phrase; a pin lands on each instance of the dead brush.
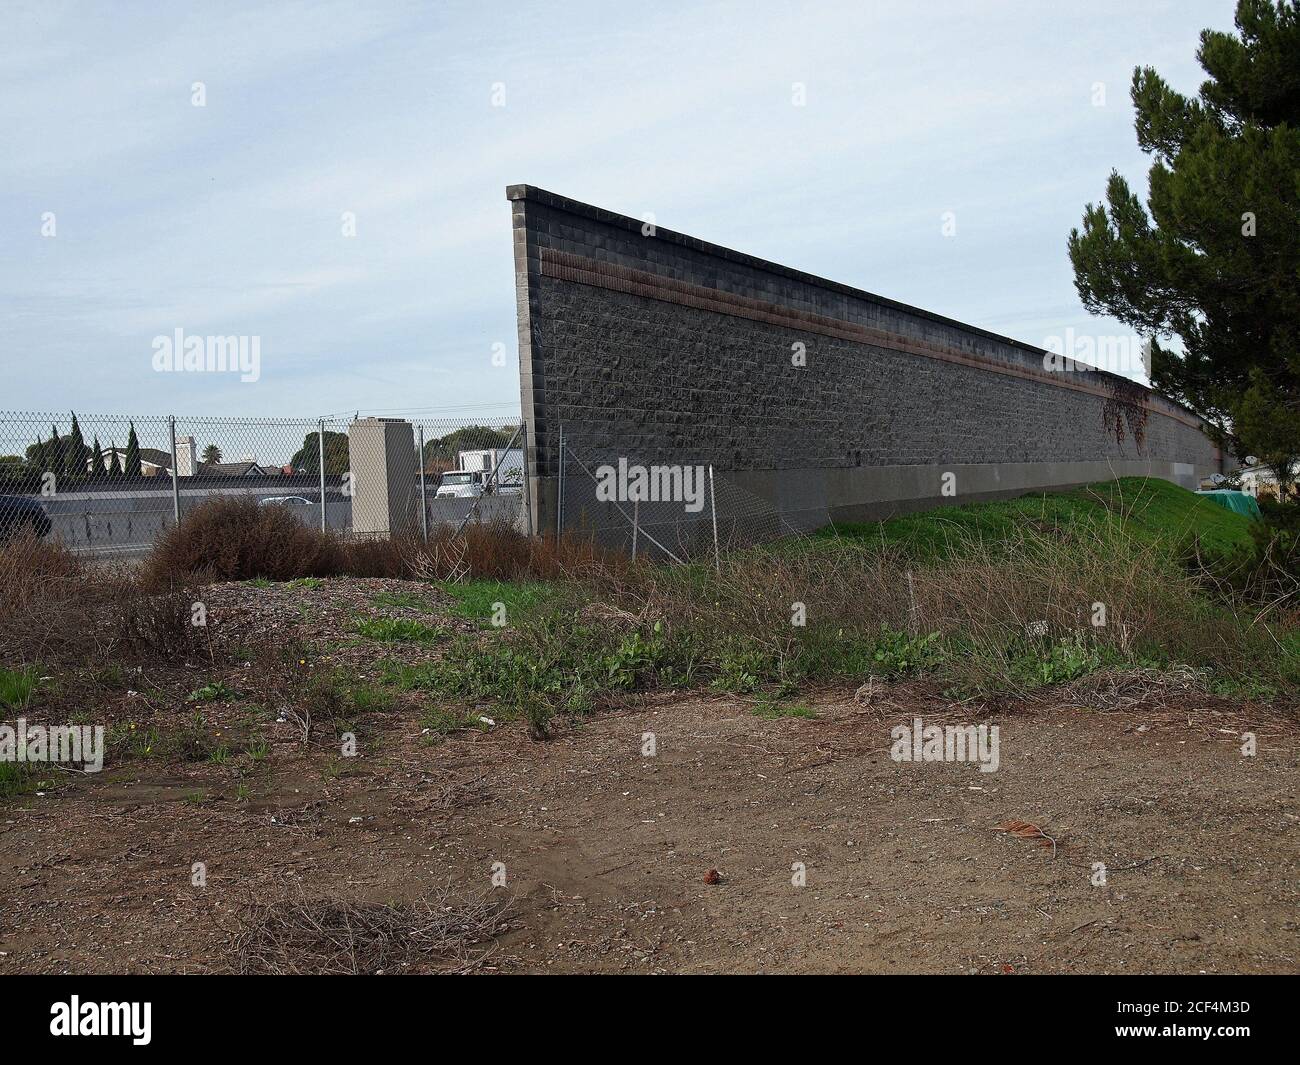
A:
(233, 538)
(163, 623)
(1123, 689)
(456, 794)
(441, 931)
(43, 612)
(754, 596)
(394, 557)
(1104, 590)
(61, 610)
(443, 559)
(498, 551)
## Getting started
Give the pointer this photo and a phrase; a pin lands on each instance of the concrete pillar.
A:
(381, 456)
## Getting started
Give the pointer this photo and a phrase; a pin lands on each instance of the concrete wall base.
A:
(810, 498)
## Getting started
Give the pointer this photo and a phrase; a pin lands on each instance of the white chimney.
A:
(186, 457)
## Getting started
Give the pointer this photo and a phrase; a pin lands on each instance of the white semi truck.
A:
(474, 471)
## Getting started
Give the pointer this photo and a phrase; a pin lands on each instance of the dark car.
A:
(20, 515)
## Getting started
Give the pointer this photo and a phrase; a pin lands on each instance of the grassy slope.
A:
(1147, 508)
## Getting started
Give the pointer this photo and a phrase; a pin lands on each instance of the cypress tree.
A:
(132, 468)
(74, 452)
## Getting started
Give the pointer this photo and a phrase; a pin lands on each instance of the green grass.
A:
(770, 709)
(1156, 508)
(369, 698)
(399, 630)
(476, 600)
(1148, 509)
(305, 582)
(16, 687)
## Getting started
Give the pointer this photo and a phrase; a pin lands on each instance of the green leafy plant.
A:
(214, 691)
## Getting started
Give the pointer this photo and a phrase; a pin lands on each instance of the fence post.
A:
(528, 495)
(424, 506)
(320, 440)
(559, 505)
(713, 507)
(176, 484)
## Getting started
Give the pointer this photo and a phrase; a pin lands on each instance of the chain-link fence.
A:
(667, 510)
(108, 485)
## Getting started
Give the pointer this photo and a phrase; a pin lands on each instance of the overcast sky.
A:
(228, 218)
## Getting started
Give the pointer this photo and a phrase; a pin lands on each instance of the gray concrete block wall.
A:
(639, 345)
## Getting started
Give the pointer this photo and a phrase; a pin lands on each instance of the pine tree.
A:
(114, 465)
(1216, 262)
(97, 461)
(132, 467)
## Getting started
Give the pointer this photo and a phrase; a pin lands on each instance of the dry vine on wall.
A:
(1125, 411)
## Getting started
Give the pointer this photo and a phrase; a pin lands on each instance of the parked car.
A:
(286, 501)
(22, 514)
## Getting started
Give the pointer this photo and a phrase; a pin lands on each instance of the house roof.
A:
(231, 469)
(151, 455)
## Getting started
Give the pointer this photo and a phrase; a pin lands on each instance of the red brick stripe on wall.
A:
(565, 266)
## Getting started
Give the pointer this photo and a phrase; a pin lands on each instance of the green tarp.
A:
(1237, 502)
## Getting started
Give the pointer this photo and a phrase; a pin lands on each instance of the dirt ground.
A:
(607, 853)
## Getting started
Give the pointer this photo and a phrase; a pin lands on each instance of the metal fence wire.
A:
(662, 510)
(108, 485)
